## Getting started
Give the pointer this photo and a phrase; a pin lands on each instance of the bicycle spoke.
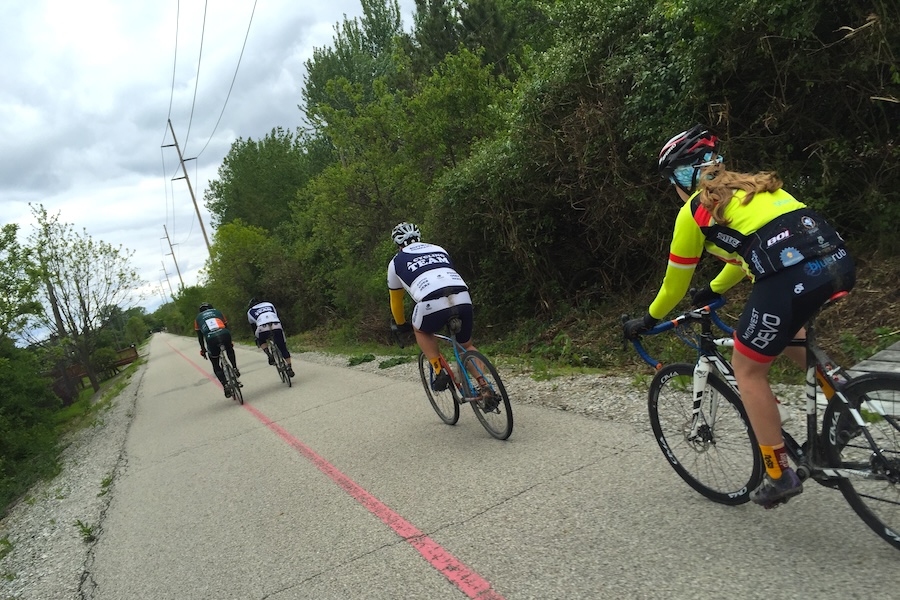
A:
(869, 456)
(719, 459)
(492, 409)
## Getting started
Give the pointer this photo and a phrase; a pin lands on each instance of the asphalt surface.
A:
(348, 486)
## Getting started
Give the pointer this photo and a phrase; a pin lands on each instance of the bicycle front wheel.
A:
(232, 382)
(445, 403)
(714, 450)
(870, 463)
(493, 409)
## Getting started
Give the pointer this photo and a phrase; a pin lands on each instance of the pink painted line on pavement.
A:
(468, 581)
(211, 376)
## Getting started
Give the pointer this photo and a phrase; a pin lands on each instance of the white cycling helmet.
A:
(404, 234)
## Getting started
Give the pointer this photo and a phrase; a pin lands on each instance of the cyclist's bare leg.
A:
(758, 399)
(428, 344)
(797, 353)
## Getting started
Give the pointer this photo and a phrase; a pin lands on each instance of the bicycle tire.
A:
(281, 365)
(446, 403)
(499, 421)
(232, 382)
(874, 494)
(723, 462)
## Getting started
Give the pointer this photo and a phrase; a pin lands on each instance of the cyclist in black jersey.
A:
(794, 258)
(426, 273)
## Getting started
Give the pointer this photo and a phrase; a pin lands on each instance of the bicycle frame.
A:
(470, 392)
(821, 373)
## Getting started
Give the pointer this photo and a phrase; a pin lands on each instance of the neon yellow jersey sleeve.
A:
(397, 297)
(684, 254)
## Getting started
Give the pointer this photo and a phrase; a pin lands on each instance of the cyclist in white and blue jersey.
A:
(426, 273)
(267, 326)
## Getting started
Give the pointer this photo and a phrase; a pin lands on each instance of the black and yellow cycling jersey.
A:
(772, 232)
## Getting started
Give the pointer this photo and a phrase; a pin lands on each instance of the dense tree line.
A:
(523, 136)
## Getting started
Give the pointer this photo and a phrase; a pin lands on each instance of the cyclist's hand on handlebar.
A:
(633, 328)
(704, 296)
(203, 353)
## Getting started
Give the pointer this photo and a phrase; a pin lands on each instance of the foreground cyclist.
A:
(212, 330)
(794, 258)
(267, 326)
(426, 272)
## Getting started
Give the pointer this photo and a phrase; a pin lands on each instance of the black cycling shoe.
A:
(290, 372)
(237, 372)
(441, 382)
(271, 360)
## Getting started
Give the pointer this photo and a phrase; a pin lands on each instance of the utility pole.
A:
(190, 189)
(171, 293)
(172, 254)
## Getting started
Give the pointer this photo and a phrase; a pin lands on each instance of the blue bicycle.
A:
(473, 380)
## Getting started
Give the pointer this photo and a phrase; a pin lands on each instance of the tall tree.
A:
(18, 283)
(361, 54)
(258, 179)
(81, 278)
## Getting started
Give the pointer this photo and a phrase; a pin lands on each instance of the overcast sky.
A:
(85, 92)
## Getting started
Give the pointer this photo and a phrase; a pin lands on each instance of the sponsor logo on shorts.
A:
(798, 289)
(768, 330)
(808, 222)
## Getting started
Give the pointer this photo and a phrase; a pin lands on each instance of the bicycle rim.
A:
(495, 413)
(444, 403)
(232, 381)
(279, 364)
(722, 460)
(873, 491)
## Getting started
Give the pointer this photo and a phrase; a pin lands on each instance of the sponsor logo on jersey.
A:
(790, 256)
(818, 266)
(425, 260)
(783, 235)
(728, 240)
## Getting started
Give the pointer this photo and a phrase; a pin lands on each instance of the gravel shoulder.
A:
(49, 531)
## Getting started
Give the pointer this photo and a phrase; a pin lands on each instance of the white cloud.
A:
(85, 92)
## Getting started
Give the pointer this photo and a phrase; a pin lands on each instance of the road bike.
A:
(231, 380)
(703, 431)
(473, 380)
(280, 364)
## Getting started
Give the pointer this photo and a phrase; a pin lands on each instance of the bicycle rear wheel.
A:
(873, 487)
(446, 403)
(232, 381)
(281, 365)
(720, 458)
(494, 411)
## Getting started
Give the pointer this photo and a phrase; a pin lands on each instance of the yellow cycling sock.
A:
(435, 364)
(775, 459)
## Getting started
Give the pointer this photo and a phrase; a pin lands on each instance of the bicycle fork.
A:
(701, 425)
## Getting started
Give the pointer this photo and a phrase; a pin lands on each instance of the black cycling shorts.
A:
(781, 304)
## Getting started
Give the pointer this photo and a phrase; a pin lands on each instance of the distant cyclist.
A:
(212, 331)
(794, 258)
(426, 272)
(267, 326)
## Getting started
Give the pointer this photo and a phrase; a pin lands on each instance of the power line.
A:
(233, 79)
(197, 81)
(174, 64)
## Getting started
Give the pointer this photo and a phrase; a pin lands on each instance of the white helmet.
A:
(405, 234)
